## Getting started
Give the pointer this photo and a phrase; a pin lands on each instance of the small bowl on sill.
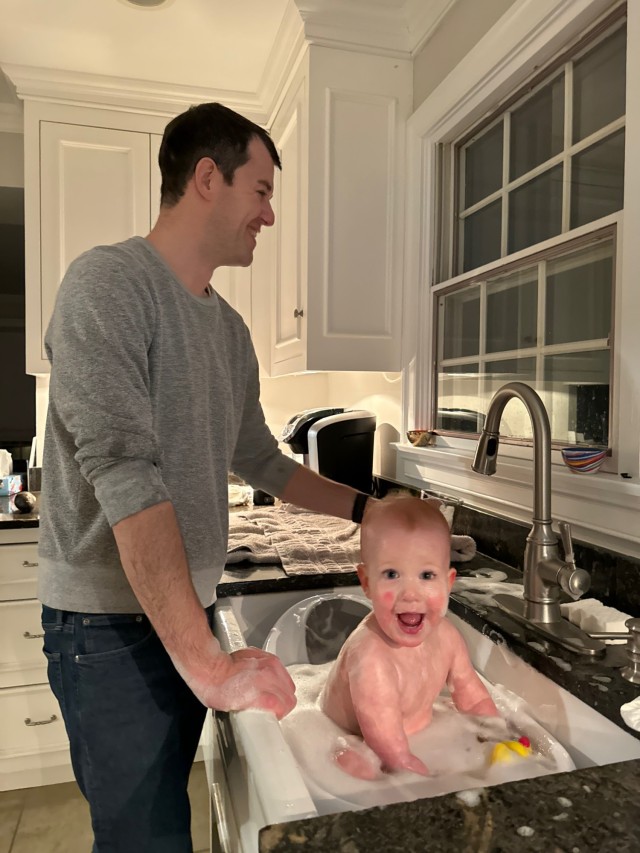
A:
(583, 460)
(422, 437)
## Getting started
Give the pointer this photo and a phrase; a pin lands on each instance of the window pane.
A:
(482, 236)
(483, 165)
(535, 210)
(597, 180)
(458, 398)
(512, 312)
(537, 129)
(576, 394)
(461, 323)
(515, 421)
(599, 85)
(578, 296)
(459, 407)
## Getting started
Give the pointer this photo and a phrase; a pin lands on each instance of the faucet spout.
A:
(544, 574)
(487, 449)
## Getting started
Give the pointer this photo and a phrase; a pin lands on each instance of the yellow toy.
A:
(509, 750)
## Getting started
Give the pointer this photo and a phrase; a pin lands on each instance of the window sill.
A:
(602, 508)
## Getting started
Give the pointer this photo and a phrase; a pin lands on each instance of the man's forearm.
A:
(154, 559)
(308, 489)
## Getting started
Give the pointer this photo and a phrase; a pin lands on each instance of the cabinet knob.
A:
(298, 312)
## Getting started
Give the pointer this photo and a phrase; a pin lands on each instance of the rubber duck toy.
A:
(510, 750)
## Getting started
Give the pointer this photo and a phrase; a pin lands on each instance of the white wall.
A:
(459, 31)
(11, 160)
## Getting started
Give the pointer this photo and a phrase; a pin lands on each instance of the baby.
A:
(395, 663)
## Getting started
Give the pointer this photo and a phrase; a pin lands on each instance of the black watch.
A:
(358, 507)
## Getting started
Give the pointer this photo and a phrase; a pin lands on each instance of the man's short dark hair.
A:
(206, 130)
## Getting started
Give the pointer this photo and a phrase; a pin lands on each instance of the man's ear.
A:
(363, 578)
(452, 577)
(204, 176)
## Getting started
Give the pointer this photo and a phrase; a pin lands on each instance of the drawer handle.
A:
(29, 636)
(29, 565)
(30, 722)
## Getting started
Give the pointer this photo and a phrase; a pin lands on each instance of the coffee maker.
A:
(335, 442)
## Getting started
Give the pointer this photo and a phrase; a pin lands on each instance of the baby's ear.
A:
(452, 577)
(363, 578)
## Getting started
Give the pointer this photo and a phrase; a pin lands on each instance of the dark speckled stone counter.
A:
(596, 810)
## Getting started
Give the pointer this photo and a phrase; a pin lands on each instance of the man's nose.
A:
(268, 216)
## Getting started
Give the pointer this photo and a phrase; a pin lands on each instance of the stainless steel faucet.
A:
(545, 574)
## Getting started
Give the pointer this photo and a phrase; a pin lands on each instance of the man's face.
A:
(408, 579)
(242, 208)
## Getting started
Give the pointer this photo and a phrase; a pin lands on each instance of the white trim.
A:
(603, 508)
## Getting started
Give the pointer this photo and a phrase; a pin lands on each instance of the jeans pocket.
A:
(106, 637)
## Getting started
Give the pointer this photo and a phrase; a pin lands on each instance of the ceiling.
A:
(230, 50)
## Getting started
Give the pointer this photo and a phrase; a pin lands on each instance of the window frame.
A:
(526, 38)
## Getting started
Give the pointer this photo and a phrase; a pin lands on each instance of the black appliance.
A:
(335, 442)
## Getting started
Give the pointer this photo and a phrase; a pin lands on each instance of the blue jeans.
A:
(133, 726)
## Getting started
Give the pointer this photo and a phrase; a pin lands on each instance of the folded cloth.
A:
(306, 542)
(630, 713)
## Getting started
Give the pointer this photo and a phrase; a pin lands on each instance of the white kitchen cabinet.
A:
(334, 260)
(34, 749)
(91, 177)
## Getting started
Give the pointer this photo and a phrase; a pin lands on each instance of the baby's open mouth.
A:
(410, 623)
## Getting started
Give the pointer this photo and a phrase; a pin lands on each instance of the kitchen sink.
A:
(255, 779)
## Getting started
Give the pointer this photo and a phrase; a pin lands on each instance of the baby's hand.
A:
(412, 763)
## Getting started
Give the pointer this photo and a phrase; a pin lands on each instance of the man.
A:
(154, 397)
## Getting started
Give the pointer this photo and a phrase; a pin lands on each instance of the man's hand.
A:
(248, 678)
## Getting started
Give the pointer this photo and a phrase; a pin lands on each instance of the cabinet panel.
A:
(31, 721)
(156, 179)
(18, 571)
(94, 189)
(21, 657)
(288, 296)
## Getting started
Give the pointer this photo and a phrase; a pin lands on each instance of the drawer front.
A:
(31, 721)
(21, 657)
(18, 571)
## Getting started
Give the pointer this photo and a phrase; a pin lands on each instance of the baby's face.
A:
(408, 579)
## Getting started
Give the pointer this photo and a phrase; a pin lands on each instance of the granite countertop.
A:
(594, 809)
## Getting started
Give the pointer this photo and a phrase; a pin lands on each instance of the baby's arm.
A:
(375, 694)
(469, 694)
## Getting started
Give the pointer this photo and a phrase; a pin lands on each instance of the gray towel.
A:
(306, 542)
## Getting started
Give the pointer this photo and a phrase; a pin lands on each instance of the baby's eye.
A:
(427, 576)
(390, 574)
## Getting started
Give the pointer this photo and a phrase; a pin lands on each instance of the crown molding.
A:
(396, 28)
(123, 93)
(285, 54)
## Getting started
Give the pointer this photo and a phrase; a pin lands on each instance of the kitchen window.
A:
(527, 224)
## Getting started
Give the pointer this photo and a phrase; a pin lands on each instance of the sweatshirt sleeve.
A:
(257, 457)
(98, 342)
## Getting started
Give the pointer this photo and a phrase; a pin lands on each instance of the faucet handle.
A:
(567, 544)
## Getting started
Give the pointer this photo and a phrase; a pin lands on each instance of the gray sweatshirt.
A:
(154, 396)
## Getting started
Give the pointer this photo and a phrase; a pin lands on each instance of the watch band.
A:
(359, 504)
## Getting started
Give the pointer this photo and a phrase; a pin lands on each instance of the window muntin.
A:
(559, 151)
(547, 323)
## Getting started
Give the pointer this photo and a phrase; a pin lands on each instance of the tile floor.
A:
(55, 818)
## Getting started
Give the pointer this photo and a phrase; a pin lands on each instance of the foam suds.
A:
(456, 748)
(563, 664)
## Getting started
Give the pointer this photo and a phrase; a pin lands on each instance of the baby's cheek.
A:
(387, 598)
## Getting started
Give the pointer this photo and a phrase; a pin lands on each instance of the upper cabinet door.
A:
(93, 188)
(156, 179)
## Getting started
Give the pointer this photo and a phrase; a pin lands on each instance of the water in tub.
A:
(458, 749)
